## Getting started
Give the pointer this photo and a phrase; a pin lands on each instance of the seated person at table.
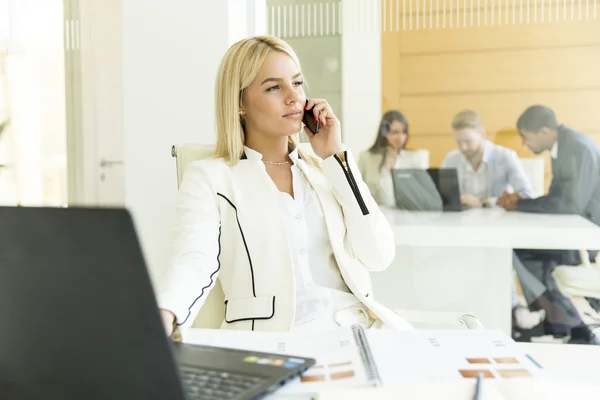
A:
(291, 238)
(575, 189)
(485, 170)
(389, 152)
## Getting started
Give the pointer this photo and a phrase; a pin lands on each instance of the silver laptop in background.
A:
(431, 189)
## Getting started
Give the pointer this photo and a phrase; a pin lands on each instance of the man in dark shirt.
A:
(575, 189)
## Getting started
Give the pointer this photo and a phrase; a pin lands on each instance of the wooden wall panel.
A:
(596, 137)
(438, 146)
(390, 90)
(500, 71)
(432, 114)
(431, 74)
(500, 37)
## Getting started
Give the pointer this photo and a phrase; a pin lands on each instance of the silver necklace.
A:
(276, 163)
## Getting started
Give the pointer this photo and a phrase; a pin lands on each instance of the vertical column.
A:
(246, 18)
(171, 52)
(361, 72)
(256, 17)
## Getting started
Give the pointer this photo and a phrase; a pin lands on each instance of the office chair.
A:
(534, 170)
(579, 282)
(213, 311)
(422, 157)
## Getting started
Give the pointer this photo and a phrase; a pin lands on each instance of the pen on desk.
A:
(477, 394)
(537, 364)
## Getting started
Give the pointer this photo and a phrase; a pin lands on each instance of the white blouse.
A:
(320, 288)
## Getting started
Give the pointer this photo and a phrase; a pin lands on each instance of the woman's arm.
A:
(369, 233)
(194, 264)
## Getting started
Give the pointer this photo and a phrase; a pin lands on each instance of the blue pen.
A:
(537, 364)
(477, 394)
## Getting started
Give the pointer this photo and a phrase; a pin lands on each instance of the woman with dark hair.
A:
(387, 153)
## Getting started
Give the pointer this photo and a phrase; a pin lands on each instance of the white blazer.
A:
(229, 226)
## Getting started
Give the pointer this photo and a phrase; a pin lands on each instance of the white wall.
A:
(171, 51)
(361, 72)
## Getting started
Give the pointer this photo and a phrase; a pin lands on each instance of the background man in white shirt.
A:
(485, 169)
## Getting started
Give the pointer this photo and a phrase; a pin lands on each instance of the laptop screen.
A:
(433, 189)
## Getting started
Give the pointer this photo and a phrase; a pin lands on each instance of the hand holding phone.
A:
(310, 121)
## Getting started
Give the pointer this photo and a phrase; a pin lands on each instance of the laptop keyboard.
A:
(214, 385)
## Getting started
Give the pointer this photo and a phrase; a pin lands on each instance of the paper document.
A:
(401, 357)
(413, 355)
(338, 361)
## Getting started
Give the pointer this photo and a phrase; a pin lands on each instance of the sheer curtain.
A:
(33, 90)
(8, 183)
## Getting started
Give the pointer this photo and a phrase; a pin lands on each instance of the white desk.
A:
(578, 364)
(492, 228)
(462, 261)
(568, 362)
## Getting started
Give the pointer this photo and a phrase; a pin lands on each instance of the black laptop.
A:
(433, 189)
(79, 320)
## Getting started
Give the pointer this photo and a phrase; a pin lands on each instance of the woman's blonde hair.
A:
(238, 69)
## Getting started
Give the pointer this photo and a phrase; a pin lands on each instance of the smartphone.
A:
(309, 120)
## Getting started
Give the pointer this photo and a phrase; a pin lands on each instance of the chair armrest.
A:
(440, 319)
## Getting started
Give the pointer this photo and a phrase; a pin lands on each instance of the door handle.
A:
(107, 163)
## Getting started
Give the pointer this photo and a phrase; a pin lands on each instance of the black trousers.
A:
(541, 263)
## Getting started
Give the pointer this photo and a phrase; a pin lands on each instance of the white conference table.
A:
(462, 261)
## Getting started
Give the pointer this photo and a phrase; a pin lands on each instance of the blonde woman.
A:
(389, 152)
(291, 238)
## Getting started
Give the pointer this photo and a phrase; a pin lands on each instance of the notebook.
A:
(357, 358)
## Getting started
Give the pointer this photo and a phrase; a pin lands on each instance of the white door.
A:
(106, 48)
(99, 152)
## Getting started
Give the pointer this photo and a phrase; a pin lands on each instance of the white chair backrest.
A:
(187, 153)
(534, 169)
(213, 311)
(422, 158)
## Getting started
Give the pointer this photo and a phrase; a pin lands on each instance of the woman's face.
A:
(397, 135)
(273, 104)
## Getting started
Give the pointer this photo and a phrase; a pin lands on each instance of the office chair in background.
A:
(580, 283)
(212, 312)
